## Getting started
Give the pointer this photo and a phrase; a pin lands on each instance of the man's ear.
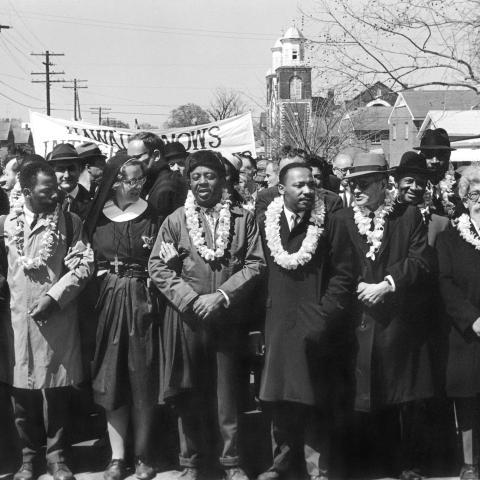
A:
(281, 189)
(157, 155)
(26, 192)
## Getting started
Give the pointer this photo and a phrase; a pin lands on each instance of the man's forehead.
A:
(45, 179)
(342, 161)
(63, 164)
(136, 146)
(202, 169)
(298, 174)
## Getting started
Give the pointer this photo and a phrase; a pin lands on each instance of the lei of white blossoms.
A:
(291, 261)
(196, 232)
(48, 241)
(463, 224)
(363, 222)
(446, 191)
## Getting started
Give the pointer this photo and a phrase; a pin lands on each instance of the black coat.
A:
(392, 361)
(305, 313)
(459, 273)
(80, 204)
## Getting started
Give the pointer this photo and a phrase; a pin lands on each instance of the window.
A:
(406, 130)
(394, 131)
(294, 55)
(296, 88)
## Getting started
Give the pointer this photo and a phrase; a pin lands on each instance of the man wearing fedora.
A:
(175, 155)
(94, 162)
(392, 365)
(67, 165)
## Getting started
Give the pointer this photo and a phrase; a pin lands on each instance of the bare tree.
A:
(405, 44)
(226, 103)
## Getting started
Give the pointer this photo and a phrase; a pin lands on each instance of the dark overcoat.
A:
(459, 273)
(80, 204)
(392, 360)
(305, 312)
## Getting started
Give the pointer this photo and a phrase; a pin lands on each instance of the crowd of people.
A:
(341, 298)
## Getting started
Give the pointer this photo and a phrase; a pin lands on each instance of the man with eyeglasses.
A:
(164, 190)
(67, 164)
(392, 364)
(341, 165)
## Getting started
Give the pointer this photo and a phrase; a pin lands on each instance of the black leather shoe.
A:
(235, 473)
(60, 471)
(143, 471)
(469, 472)
(269, 475)
(115, 470)
(25, 472)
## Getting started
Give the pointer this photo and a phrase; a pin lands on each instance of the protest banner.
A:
(232, 135)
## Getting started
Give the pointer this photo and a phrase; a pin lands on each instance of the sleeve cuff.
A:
(225, 296)
(391, 282)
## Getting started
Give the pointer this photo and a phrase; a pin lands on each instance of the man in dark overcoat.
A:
(390, 243)
(309, 285)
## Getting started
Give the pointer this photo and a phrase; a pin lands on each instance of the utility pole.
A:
(47, 73)
(76, 101)
(100, 110)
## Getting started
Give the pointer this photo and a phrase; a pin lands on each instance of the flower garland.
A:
(464, 224)
(48, 241)
(446, 191)
(363, 222)
(196, 232)
(291, 261)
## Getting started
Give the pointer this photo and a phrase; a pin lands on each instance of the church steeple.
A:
(293, 48)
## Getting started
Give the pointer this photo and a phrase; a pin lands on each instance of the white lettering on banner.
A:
(232, 135)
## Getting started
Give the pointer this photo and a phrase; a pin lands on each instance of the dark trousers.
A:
(213, 404)
(39, 414)
(298, 432)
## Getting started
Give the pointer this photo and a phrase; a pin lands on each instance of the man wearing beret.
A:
(67, 165)
(392, 359)
(207, 261)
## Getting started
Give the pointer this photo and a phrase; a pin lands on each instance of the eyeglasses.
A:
(318, 176)
(361, 184)
(473, 196)
(134, 182)
(138, 156)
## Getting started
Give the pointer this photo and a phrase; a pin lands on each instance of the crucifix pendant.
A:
(116, 263)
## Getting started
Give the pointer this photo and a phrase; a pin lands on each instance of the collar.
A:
(73, 193)
(115, 214)
(29, 215)
(475, 226)
(288, 213)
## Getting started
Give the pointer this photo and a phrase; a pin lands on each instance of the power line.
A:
(47, 73)
(19, 91)
(27, 28)
(12, 56)
(76, 101)
(99, 110)
(17, 102)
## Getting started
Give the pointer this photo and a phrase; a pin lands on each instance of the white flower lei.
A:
(291, 261)
(196, 231)
(48, 242)
(446, 191)
(363, 222)
(463, 224)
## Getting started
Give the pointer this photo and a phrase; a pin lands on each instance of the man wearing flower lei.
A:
(45, 276)
(392, 362)
(207, 261)
(309, 286)
(440, 197)
(459, 276)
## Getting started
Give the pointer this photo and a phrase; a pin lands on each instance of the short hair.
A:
(132, 162)
(151, 141)
(252, 161)
(16, 164)
(275, 166)
(287, 151)
(29, 173)
(470, 175)
(283, 172)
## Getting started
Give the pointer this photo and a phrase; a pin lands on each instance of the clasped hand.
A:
(208, 305)
(45, 306)
(372, 293)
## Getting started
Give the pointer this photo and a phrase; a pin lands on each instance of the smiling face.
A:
(129, 188)
(206, 185)
(368, 190)
(411, 188)
(298, 189)
(472, 199)
(43, 196)
(68, 173)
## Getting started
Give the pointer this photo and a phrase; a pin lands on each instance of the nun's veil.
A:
(103, 193)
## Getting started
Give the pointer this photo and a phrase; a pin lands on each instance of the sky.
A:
(141, 58)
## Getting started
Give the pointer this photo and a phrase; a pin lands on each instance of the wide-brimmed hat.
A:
(175, 150)
(435, 140)
(63, 151)
(367, 163)
(89, 150)
(413, 163)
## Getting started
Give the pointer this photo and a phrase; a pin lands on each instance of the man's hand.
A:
(44, 307)
(206, 306)
(372, 293)
(476, 327)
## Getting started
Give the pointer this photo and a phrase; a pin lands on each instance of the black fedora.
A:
(89, 150)
(412, 163)
(63, 151)
(435, 140)
(175, 150)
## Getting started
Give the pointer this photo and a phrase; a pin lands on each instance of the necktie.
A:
(372, 223)
(295, 220)
(34, 221)
(69, 202)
